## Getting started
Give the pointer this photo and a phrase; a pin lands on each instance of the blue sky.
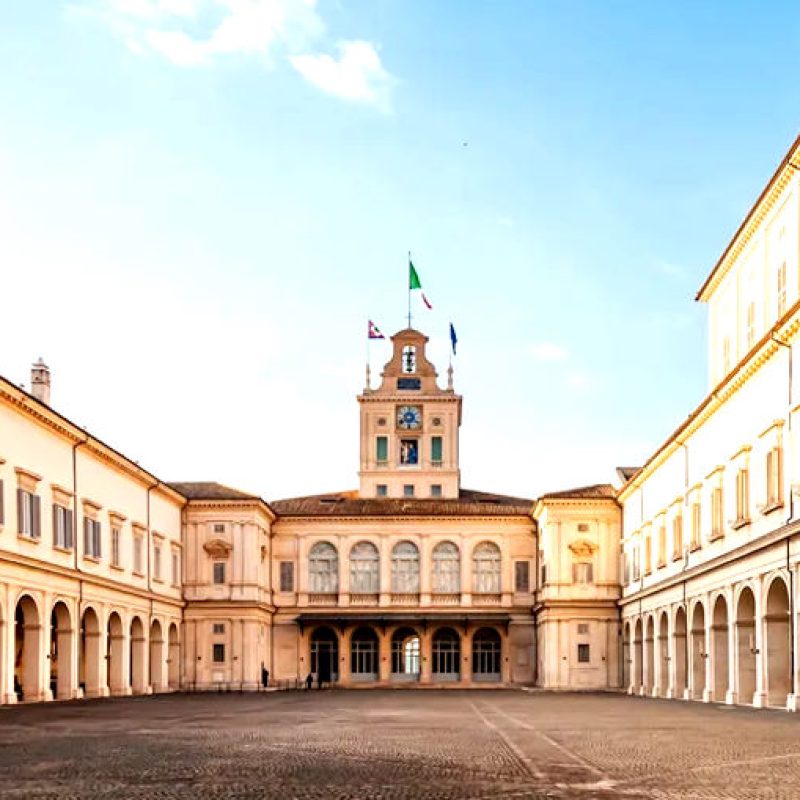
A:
(202, 202)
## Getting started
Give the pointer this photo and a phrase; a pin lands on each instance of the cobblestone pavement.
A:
(395, 745)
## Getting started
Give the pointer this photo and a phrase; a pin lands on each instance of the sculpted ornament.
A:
(218, 548)
(583, 548)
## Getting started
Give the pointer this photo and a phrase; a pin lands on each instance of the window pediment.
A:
(218, 548)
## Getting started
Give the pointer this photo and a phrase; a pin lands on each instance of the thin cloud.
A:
(549, 351)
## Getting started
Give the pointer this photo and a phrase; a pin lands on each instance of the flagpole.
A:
(408, 270)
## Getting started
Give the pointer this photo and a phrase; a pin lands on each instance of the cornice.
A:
(404, 518)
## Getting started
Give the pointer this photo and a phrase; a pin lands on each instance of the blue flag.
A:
(453, 338)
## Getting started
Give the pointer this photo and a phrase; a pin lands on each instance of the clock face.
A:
(409, 417)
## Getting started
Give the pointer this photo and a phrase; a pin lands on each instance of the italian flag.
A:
(414, 283)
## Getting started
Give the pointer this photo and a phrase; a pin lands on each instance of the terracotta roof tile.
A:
(597, 491)
(209, 490)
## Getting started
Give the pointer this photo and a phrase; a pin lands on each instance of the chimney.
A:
(40, 381)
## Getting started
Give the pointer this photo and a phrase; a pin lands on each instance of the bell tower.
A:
(409, 427)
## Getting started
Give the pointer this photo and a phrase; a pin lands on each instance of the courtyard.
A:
(396, 744)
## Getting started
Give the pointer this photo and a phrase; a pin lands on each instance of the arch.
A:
(115, 650)
(486, 655)
(157, 660)
(486, 568)
(698, 652)
(405, 568)
(777, 642)
(325, 655)
(364, 654)
(90, 679)
(446, 568)
(745, 643)
(364, 568)
(662, 682)
(62, 677)
(405, 654)
(174, 670)
(680, 652)
(649, 655)
(323, 568)
(719, 648)
(627, 656)
(28, 672)
(446, 655)
(638, 655)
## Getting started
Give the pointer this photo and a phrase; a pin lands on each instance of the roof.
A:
(349, 504)
(626, 473)
(209, 490)
(597, 491)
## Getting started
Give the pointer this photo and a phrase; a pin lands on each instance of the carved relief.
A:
(583, 548)
(217, 548)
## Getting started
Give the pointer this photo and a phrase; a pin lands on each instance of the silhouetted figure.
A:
(264, 677)
(309, 681)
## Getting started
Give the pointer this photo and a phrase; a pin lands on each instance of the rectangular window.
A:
(28, 514)
(774, 478)
(583, 654)
(115, 536)
(382, 449)
(782, 289)
(697, 520)
(522, 576)
(436, 449)
(648, 561)
(636, 562)
(677, 536)
(750, 334)
(542, 569)
(62, 527)
(218, 653)
(138, 565)
(157, 562)
(219, 572)
(219, 628)
(176, 569)
(381, 490)
(583, 629)
(436, 490)
(408, 490)
(717, 528)
(662, 545)
(582, 572)
(91, 538)
(742, 497)
(726, 355)
(287, 576)
(219, 527)
(409, 452)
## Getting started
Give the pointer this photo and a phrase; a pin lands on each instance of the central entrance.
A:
(325, 655)
(446, 655)
(364, 655)
(405, 655)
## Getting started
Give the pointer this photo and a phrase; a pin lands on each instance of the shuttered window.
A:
(29, 521)
(436, 449)
(522, 576)
(62, 527)
(382, 449)
(91, 538)
(287, 576)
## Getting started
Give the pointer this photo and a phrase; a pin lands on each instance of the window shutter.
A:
(2, 508)
(86, 536)
(96, 526)
(436, 448)
(36, 516)
(56, 543)
(590, 573)
(20, 517)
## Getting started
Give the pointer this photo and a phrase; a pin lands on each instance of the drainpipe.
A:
(149, 585)
(75, 526)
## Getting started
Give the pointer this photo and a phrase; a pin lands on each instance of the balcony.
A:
(364, 598)
(446, 599)
(323, 599)
(405, 598)
(487, 599)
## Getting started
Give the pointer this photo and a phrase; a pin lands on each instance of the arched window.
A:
(486, 568)
(323, 568)
(364, 569)
(446, 568)
(405, 567)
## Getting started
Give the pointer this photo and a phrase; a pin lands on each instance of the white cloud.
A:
(578, 380)
(549, 351)
(356, 75)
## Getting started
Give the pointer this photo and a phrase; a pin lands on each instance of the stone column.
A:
(672, 655)
(465, 546)
(425, 571)
(384, 655)
(345, 675)
(466, 658)
(708, 621)
(730, 694)
(760, 696)
(385, 572)
(425, 656)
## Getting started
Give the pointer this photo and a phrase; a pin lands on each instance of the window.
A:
(446, 568)
(648, 562)
(219, 572)
(774, 478)
(91, 538)
(542, 569)
(583, 629)
(219, 527)
(364, 568)
(677, 536)
(176, 568)
(750, 333)
(138, 548)
(436, 490)
(323, 568)
(583, 572)
(218, 628)
(287, 576)
(408, 490)
(637, 571)
(115, 534)
(662, 545)
(717, 527)
(2, 504)
(405, 568)
(436, 450)
(726, 355)
(486, 568)
(382, 449)
(218, 653)
(583, 654)
(381, 490)
(28, 514)
(409, 452)
(781, 289)
(157, 562)
(696, 525)
(62, 527)
(742, 497)
(522, 576)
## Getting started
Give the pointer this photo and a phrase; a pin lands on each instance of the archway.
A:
(638, 656)
(28, 684)
(61, 657)
(364, 655)
(746, 646)
(115, 649)
(325, 655)
(405, 655)
(679, 653)
(662, 685)
(719, 648)
(89, 655)
(779, 672)
(157, 661)
(446, 655)
(649, 655)
(698, 652)
(137, 657)
(174, 658)
(486, 652)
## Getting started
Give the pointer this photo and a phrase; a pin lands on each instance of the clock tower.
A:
(409, 427)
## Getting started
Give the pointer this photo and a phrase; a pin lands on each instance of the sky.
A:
(202, 202)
